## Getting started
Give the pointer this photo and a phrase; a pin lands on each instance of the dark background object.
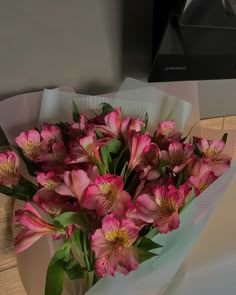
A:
(196, 41)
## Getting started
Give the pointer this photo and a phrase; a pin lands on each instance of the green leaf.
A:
(55, 272)
(169, 116)
(55, 279)
(144, 255)
(180, 179)
(98, 133)
(123, 171)
(143, 129)
(101, 167)
(68, 218)
(196, 150)
(106, 158)
(106, 108)
(146, 119)
(152, 233)
(114, 146)
(64, 131)
(75, 112)
(147, 244)
(31, 167)
(184, 138)
(189, 200)
(74, 270)
(117, 160)
(11, 192)
(163, 164)
(224, 137)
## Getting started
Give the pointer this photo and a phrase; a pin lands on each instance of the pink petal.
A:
(26, 239)
(21, 139)
(168, 223)
(147, 209)
(175, 148)
(28, 207)
(124, 128)
(113, 120)
(34, 137)
(92, 197)
(131, 228)
(217, 146)
(129, 259)
(106, 265)
(77, 181)
(100, 245)
(86, 142)
(202, 144)
(63, 190)
(121, 203)
(220, 165)
(110, 223)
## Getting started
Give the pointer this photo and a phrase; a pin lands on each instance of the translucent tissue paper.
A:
(161, 275)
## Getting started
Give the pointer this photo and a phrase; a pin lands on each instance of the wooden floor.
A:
(10, 283)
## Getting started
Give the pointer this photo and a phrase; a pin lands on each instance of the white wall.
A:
(47, 43)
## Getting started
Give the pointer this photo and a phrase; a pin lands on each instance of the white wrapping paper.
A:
(163, 275)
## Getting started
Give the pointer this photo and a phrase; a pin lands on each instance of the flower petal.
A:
(110, 223)
(147, 208)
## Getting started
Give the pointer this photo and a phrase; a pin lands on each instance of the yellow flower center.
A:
(167, 205)
(119, 236)
(50, 184)
(168, 132)
(109, 190)
(211, 153)
(7, 167)
(31, 148)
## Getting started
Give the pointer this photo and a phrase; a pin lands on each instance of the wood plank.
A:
(10, 283)
(7, 252)
(230, 122)
(215, 123)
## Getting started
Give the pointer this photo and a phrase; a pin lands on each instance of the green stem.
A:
(79, 252)
(26, 181)
(90, 278)
(84, 245)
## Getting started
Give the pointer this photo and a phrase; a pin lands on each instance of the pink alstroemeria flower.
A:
(202, 182)
(137, 143)
(213, 150)
(75, 184)
(166, 133)
(112, 124)
(129, 124)
(106, 195)
(47, 199)
(51, 202)
(162, 208)
(49, 180)
(85, 149)
(9, 168)
(58, 153)
(179, 155)
(30, 143)
(78, 129)
(34, 227)
(51, 133)
(149, 166)
(112, 245)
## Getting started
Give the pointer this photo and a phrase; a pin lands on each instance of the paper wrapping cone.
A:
(154, 276)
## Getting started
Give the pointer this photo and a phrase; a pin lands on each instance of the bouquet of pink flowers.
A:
(108, 188)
